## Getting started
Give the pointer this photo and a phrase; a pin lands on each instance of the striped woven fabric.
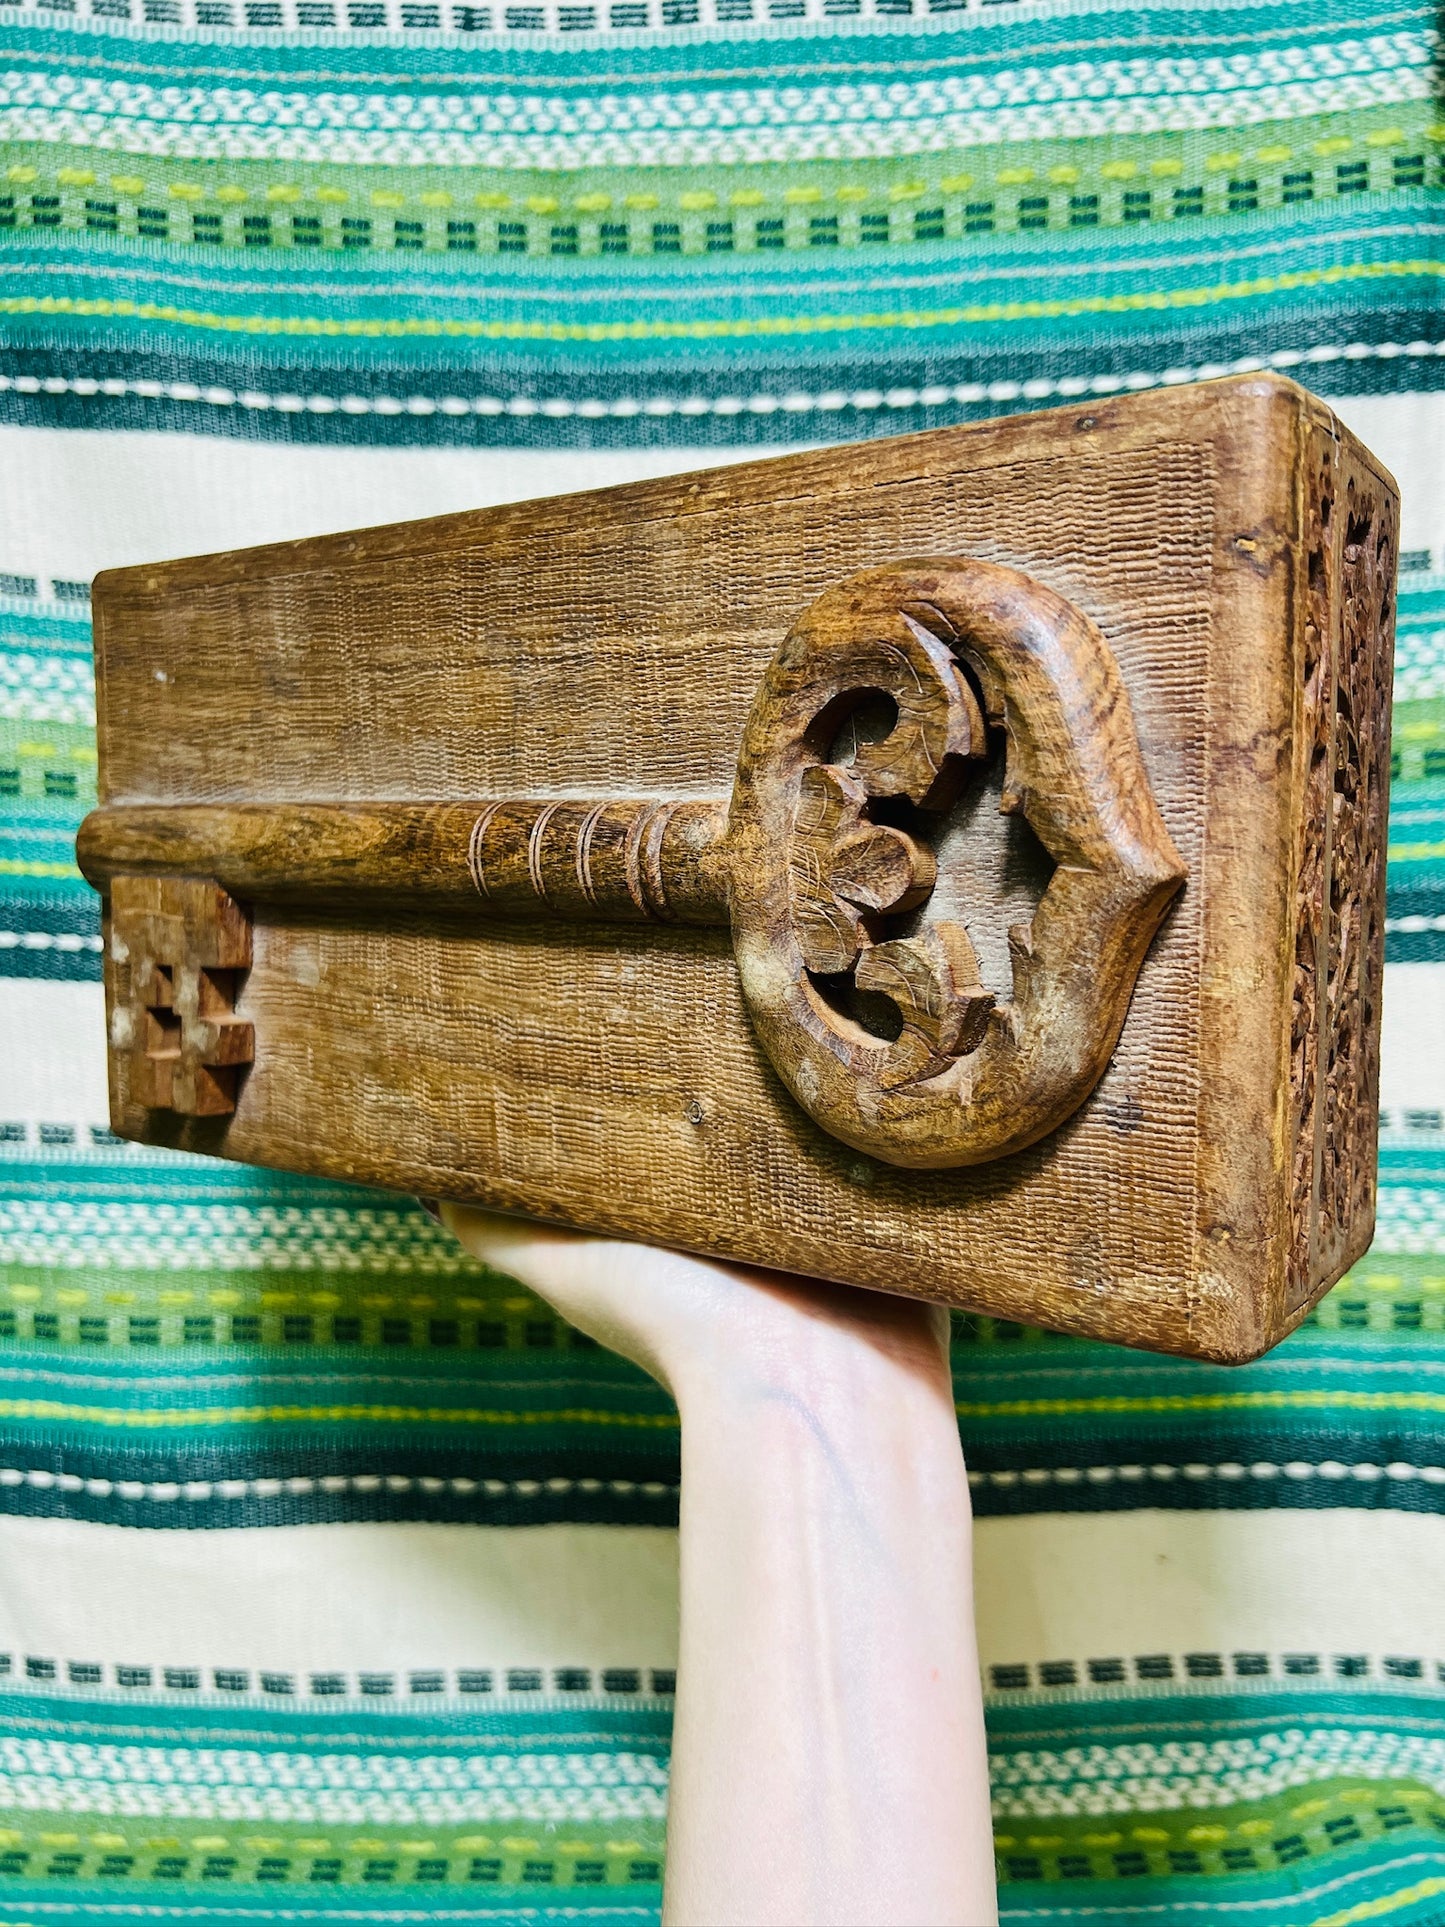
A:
(337, 1577)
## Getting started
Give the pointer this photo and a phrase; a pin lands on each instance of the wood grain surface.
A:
(1207, 700)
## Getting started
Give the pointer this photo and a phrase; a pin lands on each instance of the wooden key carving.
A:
(952, 865)
(815, 879)
(815, 886)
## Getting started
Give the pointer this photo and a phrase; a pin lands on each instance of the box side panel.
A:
(1326, 624)
(1318, 575)
(1372, 661)
(1365, 521)
(1250, 714)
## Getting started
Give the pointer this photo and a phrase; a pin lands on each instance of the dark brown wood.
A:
(634, 860)
(809, 880)
(1034, 964)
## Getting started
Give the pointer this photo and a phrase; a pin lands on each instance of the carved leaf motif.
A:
(881, 869)
(933, 979)
(939, 722)
(840, 866)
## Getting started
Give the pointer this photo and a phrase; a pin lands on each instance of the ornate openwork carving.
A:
(184, 946)
(816, 873)
(1344, 720)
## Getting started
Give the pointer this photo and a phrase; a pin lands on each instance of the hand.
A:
(829, 1767)
(686, 1319)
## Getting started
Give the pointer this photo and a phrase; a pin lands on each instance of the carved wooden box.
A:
(952, 864)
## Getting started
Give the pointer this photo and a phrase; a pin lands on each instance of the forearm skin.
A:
(829, 1757)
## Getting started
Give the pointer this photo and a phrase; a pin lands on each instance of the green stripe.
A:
(1024, 186)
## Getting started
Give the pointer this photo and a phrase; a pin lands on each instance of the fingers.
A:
(574, 1270)
(623, 1295)
(541, 1256)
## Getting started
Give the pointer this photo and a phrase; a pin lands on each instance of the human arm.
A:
(828, 1757)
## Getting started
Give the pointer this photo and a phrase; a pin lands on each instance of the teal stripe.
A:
(1082, 1379)
(27, 1903)
(134, 1174)
(541, 1724)
(22, 628)
(1144, 268)
(1119, 1716)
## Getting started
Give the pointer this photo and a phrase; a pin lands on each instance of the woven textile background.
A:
(337, 1578)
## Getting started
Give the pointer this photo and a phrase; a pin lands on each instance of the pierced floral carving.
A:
(1339, 907)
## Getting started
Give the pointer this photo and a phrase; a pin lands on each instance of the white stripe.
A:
(1170, 1777)
(52, 1038)
(459, 26)
(52, 1047)
(359, 1598)
(74, 503)
(1196, 1472)
(340, 1788)
(1082, 1586)
(204, 1491)
(1407, 432)
(388, 1598)
(834, 401)
(727, 126)
(1412, 1039)
(46, 940)
(53, 608)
